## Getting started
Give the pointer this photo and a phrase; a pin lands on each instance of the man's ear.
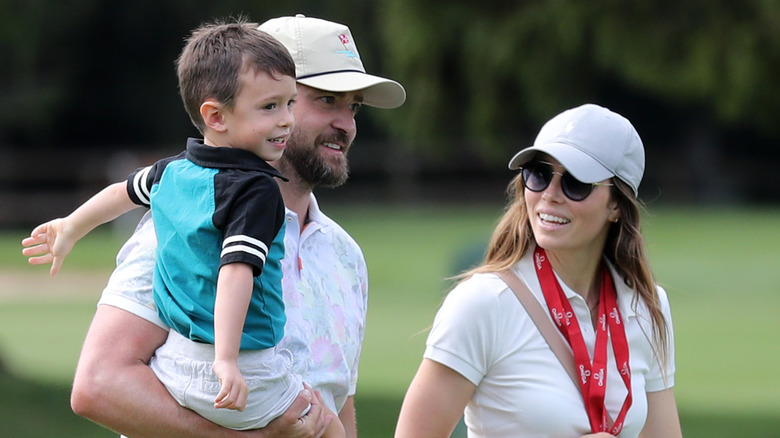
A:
(212, 113)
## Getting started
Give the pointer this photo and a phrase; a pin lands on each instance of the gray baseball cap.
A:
(326, 57)
(592, 143)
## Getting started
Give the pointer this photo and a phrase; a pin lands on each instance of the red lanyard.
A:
(593, 376)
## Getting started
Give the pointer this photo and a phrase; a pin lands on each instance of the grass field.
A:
(720, 267)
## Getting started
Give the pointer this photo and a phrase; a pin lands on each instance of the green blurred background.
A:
(89, 94)
(718, 265)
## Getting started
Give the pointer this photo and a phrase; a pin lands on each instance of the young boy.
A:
(219, 219)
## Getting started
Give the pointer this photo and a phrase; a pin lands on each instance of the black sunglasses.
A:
(537, 175)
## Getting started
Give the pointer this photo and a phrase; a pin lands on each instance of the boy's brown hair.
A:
(217, 53)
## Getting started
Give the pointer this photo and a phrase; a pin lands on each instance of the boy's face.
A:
(261, 119)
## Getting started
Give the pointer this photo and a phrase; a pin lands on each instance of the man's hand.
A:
(292, 425)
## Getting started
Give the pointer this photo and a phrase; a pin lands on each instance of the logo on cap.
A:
(345, 40)
(347, 53)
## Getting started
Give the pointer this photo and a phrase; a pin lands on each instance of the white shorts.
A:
(185, 368)
(272, 385)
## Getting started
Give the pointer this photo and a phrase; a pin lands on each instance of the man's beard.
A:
(304, 158)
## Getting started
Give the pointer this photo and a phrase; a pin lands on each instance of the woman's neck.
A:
(579, 271)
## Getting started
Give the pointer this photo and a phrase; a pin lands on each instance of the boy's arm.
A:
(52, 242)
(234, 291)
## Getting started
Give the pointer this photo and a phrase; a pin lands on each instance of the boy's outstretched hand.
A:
(49, 243)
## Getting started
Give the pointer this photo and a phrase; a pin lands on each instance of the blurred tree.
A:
(484, 73)
(699, 76)
(34, 83)
(95, 73)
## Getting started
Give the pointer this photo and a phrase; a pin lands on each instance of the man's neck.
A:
(297, 197)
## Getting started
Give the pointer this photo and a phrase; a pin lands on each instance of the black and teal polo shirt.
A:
(212, 206)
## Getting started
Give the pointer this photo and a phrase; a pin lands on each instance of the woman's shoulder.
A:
(482, 283)
(479, 292)
(663, 298)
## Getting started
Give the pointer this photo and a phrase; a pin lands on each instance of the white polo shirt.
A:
(483, 332)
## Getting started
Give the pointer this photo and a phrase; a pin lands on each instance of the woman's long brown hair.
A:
(624, 248)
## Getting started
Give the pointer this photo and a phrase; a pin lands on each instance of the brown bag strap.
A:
(538, 315)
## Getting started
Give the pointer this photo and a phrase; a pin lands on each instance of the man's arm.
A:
(115, 387)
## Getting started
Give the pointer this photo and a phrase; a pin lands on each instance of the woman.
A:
(571, 234)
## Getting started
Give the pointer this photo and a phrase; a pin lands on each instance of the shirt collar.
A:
(227, 158)
(625, 294)
(315, 214)
(316, 220)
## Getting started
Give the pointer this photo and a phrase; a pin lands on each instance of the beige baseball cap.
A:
(327, 58)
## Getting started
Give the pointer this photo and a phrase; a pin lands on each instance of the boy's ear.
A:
(212, 113)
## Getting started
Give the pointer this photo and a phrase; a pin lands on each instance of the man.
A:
(323, 267)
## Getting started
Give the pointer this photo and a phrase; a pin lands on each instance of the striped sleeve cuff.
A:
(249, 246)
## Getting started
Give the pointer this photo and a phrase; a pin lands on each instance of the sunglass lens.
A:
(575, 189)
(537, 177)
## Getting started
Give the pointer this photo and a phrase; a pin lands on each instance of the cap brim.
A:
(377, 92)
(581, 165)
